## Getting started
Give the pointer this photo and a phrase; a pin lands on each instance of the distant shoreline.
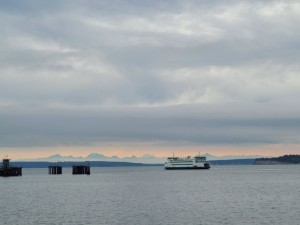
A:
(281, 160)
(45, 164)
(71, 163)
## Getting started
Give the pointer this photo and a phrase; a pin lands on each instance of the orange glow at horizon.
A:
(139, 150)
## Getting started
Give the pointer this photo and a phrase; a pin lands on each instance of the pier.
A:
(8, 171)
(55, 170)
(81, 169)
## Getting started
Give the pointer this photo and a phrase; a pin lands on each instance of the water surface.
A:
(151, 195)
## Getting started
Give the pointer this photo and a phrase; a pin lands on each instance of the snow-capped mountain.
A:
(146, 158)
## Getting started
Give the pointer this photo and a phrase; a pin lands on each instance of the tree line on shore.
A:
(285, 159)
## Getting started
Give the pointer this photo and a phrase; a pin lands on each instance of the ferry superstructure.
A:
(198, 162)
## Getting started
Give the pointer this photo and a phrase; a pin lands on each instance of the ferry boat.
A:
(198, 162)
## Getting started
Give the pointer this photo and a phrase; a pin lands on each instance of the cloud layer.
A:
(169, 73)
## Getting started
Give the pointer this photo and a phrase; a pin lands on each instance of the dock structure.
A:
(9, 171)
(81, 169)
(55, 170)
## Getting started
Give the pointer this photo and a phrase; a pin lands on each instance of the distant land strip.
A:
(120, 164)
(70, 164)
(232, 162)
(285, 159)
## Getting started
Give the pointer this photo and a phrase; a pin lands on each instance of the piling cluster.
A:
(8, 171)
(81, 169)
(54, 170)
(76, 170)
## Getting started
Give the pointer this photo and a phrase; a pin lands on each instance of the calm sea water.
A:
(151, 195)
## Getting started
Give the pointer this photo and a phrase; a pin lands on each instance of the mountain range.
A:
(146, 158)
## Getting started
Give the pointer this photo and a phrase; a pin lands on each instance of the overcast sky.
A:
(150, 75)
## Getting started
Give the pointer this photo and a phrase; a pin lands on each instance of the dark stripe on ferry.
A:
(187, 168)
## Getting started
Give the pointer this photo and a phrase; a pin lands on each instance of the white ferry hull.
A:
(176, 163)
(205, 167)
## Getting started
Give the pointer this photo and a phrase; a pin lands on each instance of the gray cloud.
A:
(222, 72)
(172, 125)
